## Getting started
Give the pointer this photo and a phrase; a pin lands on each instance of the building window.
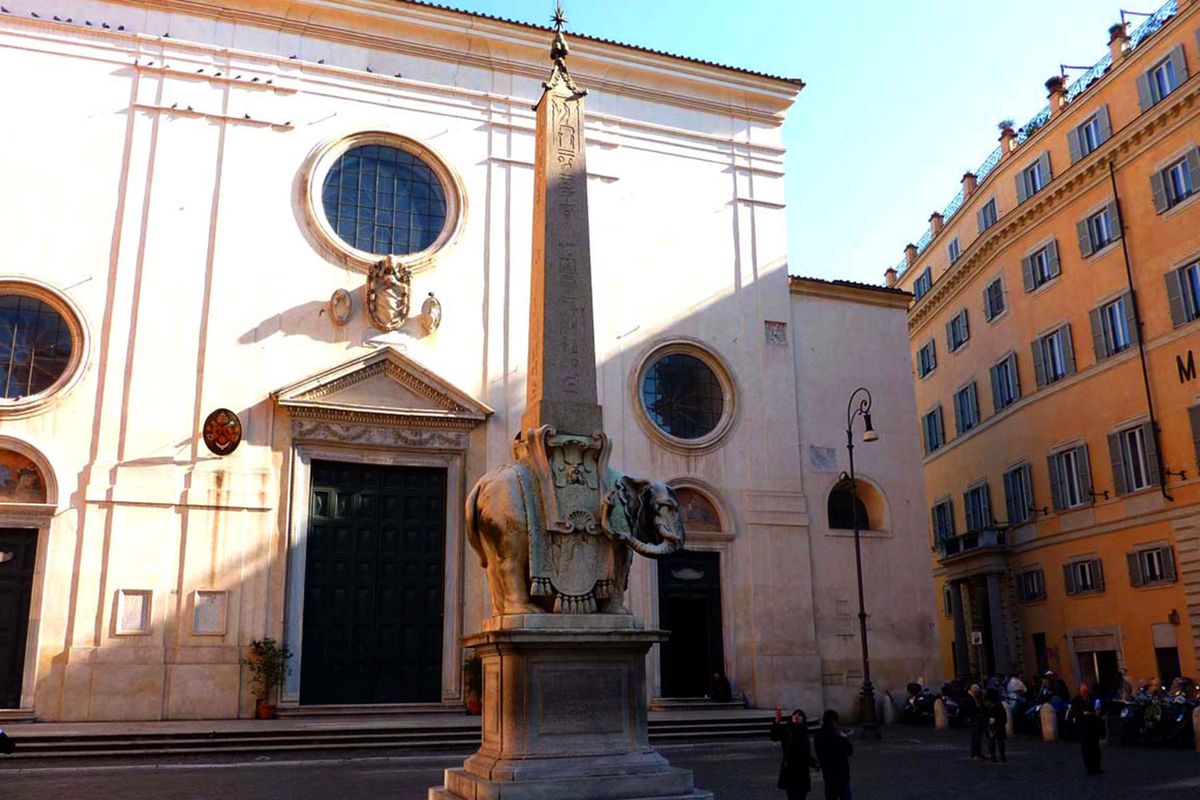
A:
(1177, 182)
(1151, 566)
(993, 299)
(1113, 327)
(1040, 267)
(1134, 457)
(1162, 79)
(932, 432)
(957, 331)
(843, 505)
(923, 283)
(979, 507)
(943, 521)
(1183, 294)
(1082, 577)
(966, 408)
(1070, 478)
(1031, 585)
(683, 396)
(1018, 495)
(35, 346)
(384, 200)
(954, 249)
(1006, 383)
(987, 216)
(926, 359)
(1099, 230)
(1033, 178)
(1053, 356)
(947, 600)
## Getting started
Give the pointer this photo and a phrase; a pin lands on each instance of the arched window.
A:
(842, 505)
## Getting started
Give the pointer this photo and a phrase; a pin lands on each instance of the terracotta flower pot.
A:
(474, 705)
(264, 711)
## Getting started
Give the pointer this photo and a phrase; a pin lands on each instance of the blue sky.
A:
(902, 96)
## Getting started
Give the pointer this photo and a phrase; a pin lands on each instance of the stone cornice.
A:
(1123, 147)
(846, 292)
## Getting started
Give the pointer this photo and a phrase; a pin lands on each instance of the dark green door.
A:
(373, 585)
(18, 551)
(689, 606)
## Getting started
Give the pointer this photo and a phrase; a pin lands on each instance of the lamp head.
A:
(869, 435)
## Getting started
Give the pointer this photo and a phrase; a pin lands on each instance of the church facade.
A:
(251, 380)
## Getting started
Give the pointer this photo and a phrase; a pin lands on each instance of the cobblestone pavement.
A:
(910, 763)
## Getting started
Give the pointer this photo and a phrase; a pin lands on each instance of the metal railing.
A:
(1076, 88)
(992, 538)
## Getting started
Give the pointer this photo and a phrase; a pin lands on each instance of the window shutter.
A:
(1022, 189)
(1068, 348)
(1194, 418)
(967, 511)
(1130, 319)
(987, 305)
(1055, 482)
(988, 519)
(1180, 62)
(1168, 560)
(1151, 454)
(966, 325)
(1022, 595)
(1039, 367)
(1145, 98)
(1135, 569)
(1069, 578)
(1044, 164)
(1010, 498)
(1027, 273)
(1117, 458)
(950, 335)
(995, 373)
(1085, 237)
(979, 218)
(1014, 376)
(1098, 572)
(973, 399)
(1114, 216)
(1105, 124)
(1027, 477)
(941, 428)
(932, 354)
(933, 524)
(1085, 470)
(1193, 162)
(1158, 189)
(1175, 298)
(959, 411)
(1099, 340)
(1052, 258)
(1073, 144)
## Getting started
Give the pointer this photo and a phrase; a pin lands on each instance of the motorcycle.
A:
(918, 705)
(1156, 717)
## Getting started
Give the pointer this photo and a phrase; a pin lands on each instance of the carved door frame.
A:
(366, 444)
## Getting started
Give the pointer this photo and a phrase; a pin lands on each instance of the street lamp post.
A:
(860, 405)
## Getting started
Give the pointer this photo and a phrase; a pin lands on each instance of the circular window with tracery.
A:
(686, 394)
(376, 194)
(41, 344)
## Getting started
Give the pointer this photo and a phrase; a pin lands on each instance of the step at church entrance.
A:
(689, 606)
(373, 585)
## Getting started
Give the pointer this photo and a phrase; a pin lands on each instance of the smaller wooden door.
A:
(689, 606)
(18, 551)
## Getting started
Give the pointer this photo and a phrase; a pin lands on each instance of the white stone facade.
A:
(161, 193)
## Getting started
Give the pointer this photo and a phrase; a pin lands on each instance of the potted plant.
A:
(267, 662)
(473, 683)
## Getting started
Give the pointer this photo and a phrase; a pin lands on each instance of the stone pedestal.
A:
(564, 714)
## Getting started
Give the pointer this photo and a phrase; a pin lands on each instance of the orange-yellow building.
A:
(1054, 337)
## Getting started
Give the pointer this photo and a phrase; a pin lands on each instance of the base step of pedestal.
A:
(673, 784)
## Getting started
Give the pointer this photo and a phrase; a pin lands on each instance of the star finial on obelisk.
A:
(559, 52)
(559, 19)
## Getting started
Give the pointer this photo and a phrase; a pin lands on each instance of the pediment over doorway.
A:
(382, 387)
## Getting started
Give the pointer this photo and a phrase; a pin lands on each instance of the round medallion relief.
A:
(686, 395)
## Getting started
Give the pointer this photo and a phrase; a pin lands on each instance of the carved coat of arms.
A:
(389, 293)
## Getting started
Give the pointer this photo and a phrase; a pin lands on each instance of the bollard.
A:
(1049, 719)
(1009, 730)
(890, 715)
(941, 719)
(1196, 727)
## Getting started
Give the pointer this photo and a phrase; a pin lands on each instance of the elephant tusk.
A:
(666, 548)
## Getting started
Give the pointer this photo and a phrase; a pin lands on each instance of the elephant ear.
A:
(633, 494)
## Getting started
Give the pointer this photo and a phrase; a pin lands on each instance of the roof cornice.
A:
(849, 292)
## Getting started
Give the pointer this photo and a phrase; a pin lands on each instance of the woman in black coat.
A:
(797, 754)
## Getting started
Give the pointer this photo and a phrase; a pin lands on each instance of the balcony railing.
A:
(1076, 87)
(983, 539)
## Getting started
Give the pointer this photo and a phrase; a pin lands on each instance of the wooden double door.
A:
(373, 585)
(689, 606)
(18, 553)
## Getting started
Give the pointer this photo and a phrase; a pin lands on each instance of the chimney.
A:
(910, 254)
(936, 221)
(1008, 138)
(1118, 41)
(970, 184)
(1057, 87)
(890, 277)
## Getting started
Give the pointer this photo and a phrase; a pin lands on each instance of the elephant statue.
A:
(504, 525)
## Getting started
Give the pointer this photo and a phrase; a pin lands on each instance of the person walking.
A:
(996, 720)
(797, 754)
(1084, 714)
(973, 714)
(833, 757)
